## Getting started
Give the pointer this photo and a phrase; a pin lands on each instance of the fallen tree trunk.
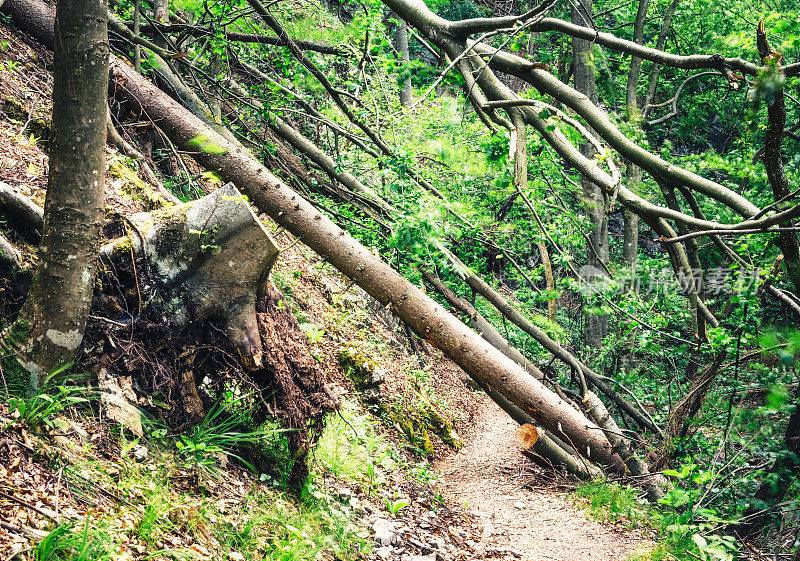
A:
(426, 318)
(22, 212)
(545, 451)
(482, 325)
(548, 450)
(544, 448)
(514, 316)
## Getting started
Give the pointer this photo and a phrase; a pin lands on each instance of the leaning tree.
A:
(574, 421)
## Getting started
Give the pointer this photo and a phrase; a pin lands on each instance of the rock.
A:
(344, 494)
(385, 532)
(140, 453)
(385, 552)
(503, 551)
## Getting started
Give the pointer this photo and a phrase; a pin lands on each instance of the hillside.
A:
(398, 280)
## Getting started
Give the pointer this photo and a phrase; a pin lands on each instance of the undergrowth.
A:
(193, 496)
(682, 530)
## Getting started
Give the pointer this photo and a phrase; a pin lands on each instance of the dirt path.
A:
(536, 524)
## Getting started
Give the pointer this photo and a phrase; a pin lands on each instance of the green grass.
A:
(351, 449)
(611, 502)
(72, 542)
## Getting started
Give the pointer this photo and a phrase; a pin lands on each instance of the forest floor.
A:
(486, 501)
(518, 510)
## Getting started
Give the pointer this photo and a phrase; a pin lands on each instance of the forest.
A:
(371, 279)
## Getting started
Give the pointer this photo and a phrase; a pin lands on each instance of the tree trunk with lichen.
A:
(50, 327)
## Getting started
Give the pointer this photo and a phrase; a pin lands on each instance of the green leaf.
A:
(700, 541)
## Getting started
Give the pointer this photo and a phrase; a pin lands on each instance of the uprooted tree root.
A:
(292, 378)
(181, 371)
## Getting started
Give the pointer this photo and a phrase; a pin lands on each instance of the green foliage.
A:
(68, 542)
(611, 502)
(350, 448)
(224, 431)
(40, 410)
(394, 507)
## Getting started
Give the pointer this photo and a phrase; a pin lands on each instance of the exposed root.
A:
(291, 379)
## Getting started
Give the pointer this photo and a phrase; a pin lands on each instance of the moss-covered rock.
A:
(14, 110)
(413, 426)
(366, 373)
(439, 424)
(414, 415)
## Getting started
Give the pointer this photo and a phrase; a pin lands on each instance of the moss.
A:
(204, 142)
(413, 426)
(440, 424)
(172, 225)
(416, 418)
(17, 334)
(131, 185)
(15, 375)
(13, 109)
(360, 368)
(39, 127)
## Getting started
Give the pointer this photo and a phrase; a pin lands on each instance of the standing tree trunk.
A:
(597, 242)
(161, 16)
(161, 11)
(632, 87)
(773, 159)
(50, 325)
(633, 174)
(401, 44)
(652, 82)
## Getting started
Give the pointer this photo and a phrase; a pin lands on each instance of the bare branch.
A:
(467, 27)
(688, 62)
(673, 102)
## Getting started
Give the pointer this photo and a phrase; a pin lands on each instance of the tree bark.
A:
(514, 316)
(480, 324)
(426, 318)
(401, 44)
(652, 82)
(26, 216)
(50, 326)
(632, 86)
(160, 15)
(597, 255)
(773, 162)
(549, 280)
